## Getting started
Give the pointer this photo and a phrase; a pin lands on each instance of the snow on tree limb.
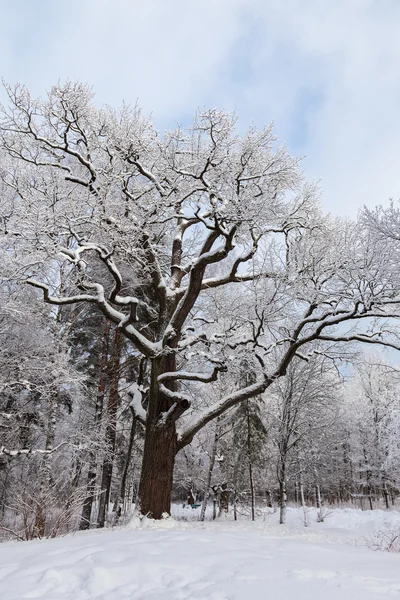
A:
(188, 376)
(25, 451)
(187, 433)
(135, 393)
(202, 246)
(49, 299)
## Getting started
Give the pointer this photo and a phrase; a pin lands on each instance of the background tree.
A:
(305, 405)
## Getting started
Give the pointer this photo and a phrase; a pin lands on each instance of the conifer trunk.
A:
(125, 472)
(101, 390)
(111, 429)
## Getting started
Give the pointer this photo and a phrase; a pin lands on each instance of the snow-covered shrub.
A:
(386, 539)
(323, 513)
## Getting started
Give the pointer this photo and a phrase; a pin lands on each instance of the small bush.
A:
(386, 539)
(323, 513)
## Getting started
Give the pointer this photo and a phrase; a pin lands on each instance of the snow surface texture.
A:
(208, 561)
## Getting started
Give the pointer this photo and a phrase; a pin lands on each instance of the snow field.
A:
(219, 560)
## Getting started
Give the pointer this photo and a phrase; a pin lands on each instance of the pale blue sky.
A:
(327, 73)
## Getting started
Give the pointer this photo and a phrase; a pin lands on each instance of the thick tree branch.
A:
(57, 300)
(207, 257)
(147, 348)
(134, 391)
(180, 404)
(187, 376)
(217, 409)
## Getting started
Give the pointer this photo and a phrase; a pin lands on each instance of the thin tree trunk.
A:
(282, 489)
(296, 491)
(111, 429)
(318, 500)
(210, 472)
(318, 495)
(300, 482)
(121, 504)
(92, 469)
(46, 475)
(371, 506)
(77, 474)
(301, 485)
(369, 476)
(282, 502)
(253, 504)
(386, 494)
(122, 490)
(249, 454)
(90, 490)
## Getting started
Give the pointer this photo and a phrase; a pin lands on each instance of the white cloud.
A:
(167, 54)
(350, 51)
(327, 72)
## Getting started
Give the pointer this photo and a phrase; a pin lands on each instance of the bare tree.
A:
(304, 406)
(153, 229)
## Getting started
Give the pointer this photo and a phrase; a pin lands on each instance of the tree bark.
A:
(249, 452)
(111, 430)
(385, 493)
(369, 478)
(101, 390)
(155, 486)
(234, 505)
(301, 489)
(282, 502)
(90, 489)
(318, 495)
(210, 472)
(128, 460)
(160, 446)
(224, 501)
(282, 490)
(46, 480)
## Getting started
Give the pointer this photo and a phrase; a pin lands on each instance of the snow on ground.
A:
(220, 560)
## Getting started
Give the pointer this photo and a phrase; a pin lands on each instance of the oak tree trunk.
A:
(155, 487)
(160, 446)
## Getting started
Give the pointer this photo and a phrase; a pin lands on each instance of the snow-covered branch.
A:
(180, 404)
(142, 343)
(49, 299)
(135, 392)
(24, 451)
(188, 376)
(215, 410)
